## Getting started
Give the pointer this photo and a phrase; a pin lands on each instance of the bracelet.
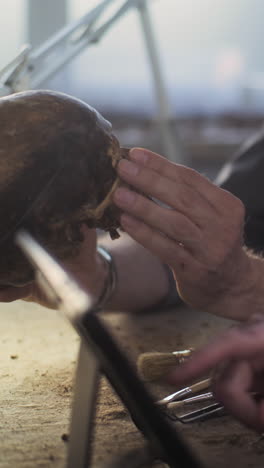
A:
(111, 280)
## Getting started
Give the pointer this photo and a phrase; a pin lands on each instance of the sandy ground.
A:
(38, 350)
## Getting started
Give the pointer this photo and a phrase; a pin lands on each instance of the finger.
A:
(176, 172)
(175, 225)
(236, 343)
(166, 249)
(232, 389)
(175, 194)
(168, 169)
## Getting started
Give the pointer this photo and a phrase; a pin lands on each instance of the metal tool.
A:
(199, 415)
(99, 353)
(216, 409)
(176, 400)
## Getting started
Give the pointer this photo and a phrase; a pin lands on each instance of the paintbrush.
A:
(155, 366)
(176, 404)
(184, 392)
(190, 401)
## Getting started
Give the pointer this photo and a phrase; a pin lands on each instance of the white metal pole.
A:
(172, 147)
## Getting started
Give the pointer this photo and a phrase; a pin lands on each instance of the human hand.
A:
(237, 357)
(198, 231)
(85, 267)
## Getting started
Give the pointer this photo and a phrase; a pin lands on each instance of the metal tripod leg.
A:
(172, 147)
(83, 411)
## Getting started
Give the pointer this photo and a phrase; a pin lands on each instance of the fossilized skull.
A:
(57, 170)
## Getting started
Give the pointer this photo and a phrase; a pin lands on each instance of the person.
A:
(197, 229)
(201, 238)
(237, 360)
(206, 263)
(243, 176)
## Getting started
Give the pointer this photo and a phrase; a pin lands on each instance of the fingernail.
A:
(127, 167)
(138, 154)
(124, 197)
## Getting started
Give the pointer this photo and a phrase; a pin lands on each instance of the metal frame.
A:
(100, 354)
(32, 67)
(86, 386)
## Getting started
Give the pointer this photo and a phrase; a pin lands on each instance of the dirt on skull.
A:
(57, 171)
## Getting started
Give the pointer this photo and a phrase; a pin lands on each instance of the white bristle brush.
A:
(155, 366)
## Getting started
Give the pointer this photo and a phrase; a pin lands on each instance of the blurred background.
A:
(211, 61)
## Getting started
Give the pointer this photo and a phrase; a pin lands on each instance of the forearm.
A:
(142, 281)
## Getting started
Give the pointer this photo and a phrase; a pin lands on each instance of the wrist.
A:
(244, 297)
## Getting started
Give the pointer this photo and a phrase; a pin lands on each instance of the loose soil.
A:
(38, 350)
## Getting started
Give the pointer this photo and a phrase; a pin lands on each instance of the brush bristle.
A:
(155, 366)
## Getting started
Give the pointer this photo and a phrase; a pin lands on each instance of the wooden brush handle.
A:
(176, 404)
(191, 401)
(202, 385)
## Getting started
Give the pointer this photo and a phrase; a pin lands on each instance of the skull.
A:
(57, 171)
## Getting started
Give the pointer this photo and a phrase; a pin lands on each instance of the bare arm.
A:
(198, 231)
(141, 277)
